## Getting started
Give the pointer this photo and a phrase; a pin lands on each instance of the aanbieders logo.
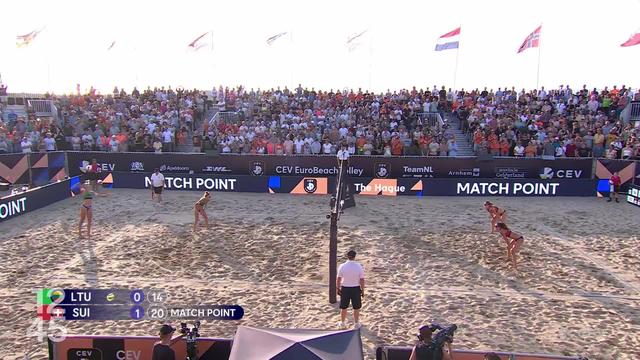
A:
(174, 168)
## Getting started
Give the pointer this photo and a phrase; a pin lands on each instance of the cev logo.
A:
(128, 354)
(548, 173)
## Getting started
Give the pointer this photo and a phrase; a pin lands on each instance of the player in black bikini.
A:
(86, 210)
(496, 214)
(514, 242)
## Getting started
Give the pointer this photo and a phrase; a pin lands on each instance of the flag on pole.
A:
(533, 40)
(352, 41)
(197, 44)
(633, 40)
(450, 40)
(275, 37)
(111, 46)
(25, 40)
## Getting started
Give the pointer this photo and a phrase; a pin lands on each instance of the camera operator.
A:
(162, 349)
(424, 349)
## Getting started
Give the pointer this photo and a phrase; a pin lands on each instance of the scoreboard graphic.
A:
(124, 304)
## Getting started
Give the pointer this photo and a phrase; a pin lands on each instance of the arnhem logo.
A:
(257, 168)
(547, 173)
(475, 172)
(174, 168)
(136, 166)
(382, 170)
(310, 185)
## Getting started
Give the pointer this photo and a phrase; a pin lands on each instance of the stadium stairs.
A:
(188, 144)
(464, 145)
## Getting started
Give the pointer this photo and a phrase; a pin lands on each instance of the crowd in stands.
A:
(152, 120)
(560, 122)
(305, 121)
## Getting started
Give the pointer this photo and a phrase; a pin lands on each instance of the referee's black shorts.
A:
(157, 190)
(353, 295)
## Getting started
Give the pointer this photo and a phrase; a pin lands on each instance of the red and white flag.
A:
(533, 40)
(450, 40)
(633, 40)
(275, 37)
(26, 39)
(198, 43)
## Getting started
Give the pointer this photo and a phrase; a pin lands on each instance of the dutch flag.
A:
(450, 40)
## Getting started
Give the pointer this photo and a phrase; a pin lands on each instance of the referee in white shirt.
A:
(343, 154)
(157, 184)
(350, 285)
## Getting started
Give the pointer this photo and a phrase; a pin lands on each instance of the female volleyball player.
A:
(514, 242)
(86, 209)
(199, 210)
(496, 214)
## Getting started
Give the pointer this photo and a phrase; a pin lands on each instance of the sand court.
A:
(426, 259)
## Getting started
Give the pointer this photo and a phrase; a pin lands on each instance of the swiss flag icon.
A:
(43, 312)
(47, 312)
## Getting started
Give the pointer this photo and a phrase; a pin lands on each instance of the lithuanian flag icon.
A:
(47, 296)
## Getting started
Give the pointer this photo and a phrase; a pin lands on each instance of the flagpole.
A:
(49, 77)
(213, 60)
(455, 70)
(370, 59)
(539, 47)
(291, 61)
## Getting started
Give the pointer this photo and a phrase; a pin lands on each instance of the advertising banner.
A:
(14, 168)
(605, 169)
(196, 182)
(46, 167)
(15, 205)
(475, 187)
(327, 166)
(362, 186)
(130, 347)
